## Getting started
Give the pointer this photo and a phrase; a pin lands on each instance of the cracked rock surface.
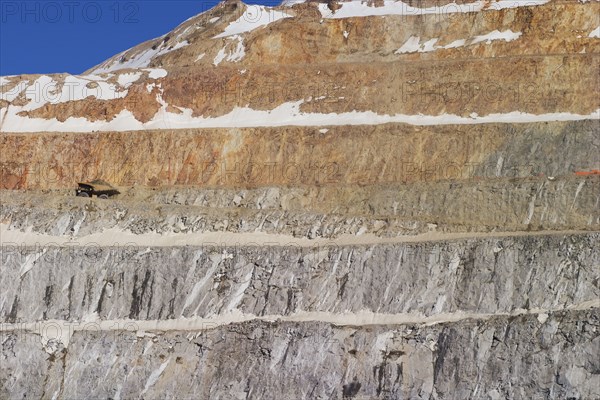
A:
(308, 212)
(522, 357)
(492, 275)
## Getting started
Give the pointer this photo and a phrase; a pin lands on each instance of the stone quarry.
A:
(319, 200)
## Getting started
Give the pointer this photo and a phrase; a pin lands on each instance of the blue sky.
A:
(73, 35)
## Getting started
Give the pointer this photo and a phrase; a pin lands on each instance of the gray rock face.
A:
(510, 204)
(491, 275)
(496, 315)
(526, 357)
(494, 349)
(503, 205)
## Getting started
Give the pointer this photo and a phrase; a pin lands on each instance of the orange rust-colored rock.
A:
(329, 66)
(340, 65)
(296, 156)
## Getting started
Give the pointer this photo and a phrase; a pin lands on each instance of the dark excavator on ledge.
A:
(97, 187)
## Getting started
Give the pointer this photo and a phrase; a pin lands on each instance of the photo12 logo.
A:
(27, 12)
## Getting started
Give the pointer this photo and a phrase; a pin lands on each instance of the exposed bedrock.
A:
(313, 205)
(296, 156)
(483, 275)
(310, 212)
(539, 356)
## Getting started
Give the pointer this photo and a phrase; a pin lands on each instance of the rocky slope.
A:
(241, 65)
(130, 281)
(512, 357)
(296, 156)
(342, 200)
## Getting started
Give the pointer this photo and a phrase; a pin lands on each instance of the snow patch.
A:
(76, 88)
(414, 45)
(286, 114)
(4, 80)
(97, 77)
(15, 123)
(595, 33)
(13, 93)
(455, 44)
(179, 45)
(46, 90)
(41, 91)
(220, 57)
(239, 52)
(139, 60)
(255, 16)
(156, 73)
(128, 79)
(391, 7)
(429, 45)
(507, 36)
(231, 55)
